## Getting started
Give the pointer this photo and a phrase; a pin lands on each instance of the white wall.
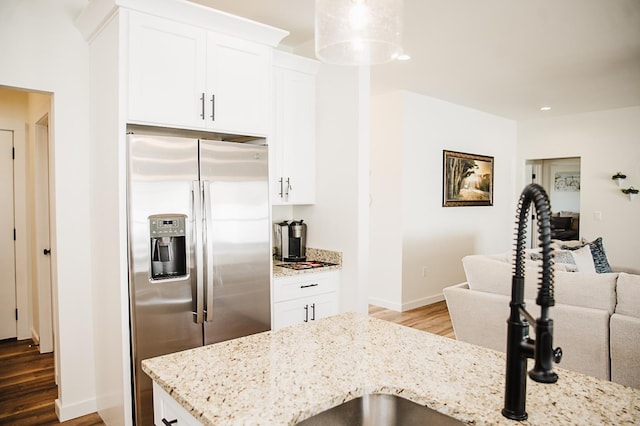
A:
(109, 242)
(409, 133)
(337, 219)
(43, 51)
(606, 142)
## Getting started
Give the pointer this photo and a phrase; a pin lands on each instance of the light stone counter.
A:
(282, 377)
(312, 254)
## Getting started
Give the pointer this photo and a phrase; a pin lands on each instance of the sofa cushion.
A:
(628, 289)
(493, 274)
(589, 290)
(625, 346)
(583, 335)
(488, 274)
(595, 291)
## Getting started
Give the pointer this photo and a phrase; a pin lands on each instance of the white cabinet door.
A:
(166, 410)
(303, 310)
(188, 77)
(238, 85)
(305, 298)
(166, 72)
(293, 177)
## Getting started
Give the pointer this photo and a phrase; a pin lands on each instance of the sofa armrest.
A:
(478, 317)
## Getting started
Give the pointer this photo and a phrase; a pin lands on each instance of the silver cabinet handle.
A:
(289, 187)
(202, 101)
(281, 188)
(306, 313)
(196, 195)
(213, 107)
(313, 312)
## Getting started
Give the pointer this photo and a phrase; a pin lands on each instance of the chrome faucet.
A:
(520, 346)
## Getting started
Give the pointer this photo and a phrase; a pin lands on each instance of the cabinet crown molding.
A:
(98, 12)
(295, 62)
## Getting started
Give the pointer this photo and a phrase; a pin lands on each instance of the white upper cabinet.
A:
(188, 77)
(167, 63)
(238, 85)
(293, 147)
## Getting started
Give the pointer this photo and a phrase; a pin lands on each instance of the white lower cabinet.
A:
(167, 411)
(305, 298)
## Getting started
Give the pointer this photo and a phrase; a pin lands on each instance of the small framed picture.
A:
(467, 180)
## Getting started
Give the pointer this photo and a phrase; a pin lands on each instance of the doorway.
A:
(25, 271)
(560, 178)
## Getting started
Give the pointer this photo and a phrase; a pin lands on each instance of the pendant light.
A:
(358, 32)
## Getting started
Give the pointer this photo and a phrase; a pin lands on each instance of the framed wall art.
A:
(467, 179)
(566, 181)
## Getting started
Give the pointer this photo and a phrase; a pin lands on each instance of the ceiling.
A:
(505, 57)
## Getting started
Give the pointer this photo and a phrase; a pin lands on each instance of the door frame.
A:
(42, 279)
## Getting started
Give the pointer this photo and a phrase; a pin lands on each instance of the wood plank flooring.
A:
(28, 389)
(433, 318)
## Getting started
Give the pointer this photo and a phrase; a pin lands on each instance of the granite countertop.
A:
(272, 378)
(315, 255)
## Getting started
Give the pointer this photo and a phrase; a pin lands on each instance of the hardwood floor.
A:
(28, 389)
(433, 318)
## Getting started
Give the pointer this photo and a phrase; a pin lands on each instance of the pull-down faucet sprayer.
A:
(520, 346)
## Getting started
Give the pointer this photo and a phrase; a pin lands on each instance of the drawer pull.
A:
(309, 285)
(169, 423)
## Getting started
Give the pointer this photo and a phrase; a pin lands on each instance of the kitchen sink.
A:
(379, 410)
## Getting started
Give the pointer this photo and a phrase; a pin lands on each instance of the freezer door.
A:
(237, 248)
(161, 177)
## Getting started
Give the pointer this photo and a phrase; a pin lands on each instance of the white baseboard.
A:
(408, 305)
(384, 304)
(422, 302)
(72, 411)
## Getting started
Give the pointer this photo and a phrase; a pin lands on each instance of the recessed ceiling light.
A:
(545, 108)
(403, 57)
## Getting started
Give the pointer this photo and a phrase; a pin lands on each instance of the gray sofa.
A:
(596, 316)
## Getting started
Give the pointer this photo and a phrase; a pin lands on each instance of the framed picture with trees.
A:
(467, 179)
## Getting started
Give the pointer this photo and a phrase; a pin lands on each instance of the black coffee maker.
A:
(291, 241)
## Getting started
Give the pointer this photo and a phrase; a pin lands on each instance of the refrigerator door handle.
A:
(196, 194)
(208, 222)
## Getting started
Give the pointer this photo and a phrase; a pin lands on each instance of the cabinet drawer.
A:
(168, 409)
(306, 309)
(304, 285)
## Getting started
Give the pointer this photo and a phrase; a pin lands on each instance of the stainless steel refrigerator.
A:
(199, 250)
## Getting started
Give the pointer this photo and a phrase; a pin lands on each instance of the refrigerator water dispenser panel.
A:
(168, 246)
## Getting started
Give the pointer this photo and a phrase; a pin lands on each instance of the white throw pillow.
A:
(584, 260)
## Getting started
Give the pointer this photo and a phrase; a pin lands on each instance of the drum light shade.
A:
(358, 32)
